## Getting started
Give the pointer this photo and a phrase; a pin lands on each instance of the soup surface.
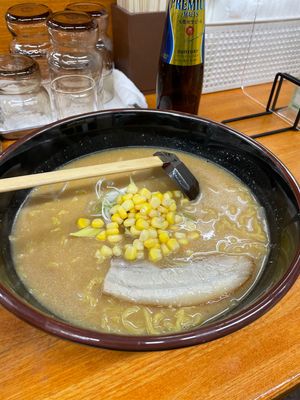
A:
(67, 274)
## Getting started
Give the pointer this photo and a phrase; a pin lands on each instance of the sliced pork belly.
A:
(192, 283)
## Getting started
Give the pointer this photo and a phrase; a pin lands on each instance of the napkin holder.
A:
(137, 41)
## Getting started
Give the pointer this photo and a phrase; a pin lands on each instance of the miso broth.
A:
(63, 273)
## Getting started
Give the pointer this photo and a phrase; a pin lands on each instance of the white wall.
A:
(245, 10)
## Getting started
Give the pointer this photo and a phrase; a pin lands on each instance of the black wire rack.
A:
(271, 106)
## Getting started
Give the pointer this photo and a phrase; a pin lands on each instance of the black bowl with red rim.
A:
(265, 175)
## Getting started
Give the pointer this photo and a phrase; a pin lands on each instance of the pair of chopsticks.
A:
(143, 6)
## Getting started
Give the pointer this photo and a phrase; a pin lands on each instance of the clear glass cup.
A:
(73, 95)
(104, 43)
(73, 36)
(27, 24)
(24, 102)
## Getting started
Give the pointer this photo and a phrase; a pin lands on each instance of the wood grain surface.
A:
(258, 362)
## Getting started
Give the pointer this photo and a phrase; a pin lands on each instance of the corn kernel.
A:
(183, 242)
(132, 188)
(114, 209)
(141, 224)
(152, 233)
(131, 214)
(113, 231)
(116, 218)
(180, 235)
(178, 219)
(174, 228)
(157, 222)
(119, 199)
(170, 217)
(173, 206)
(145, 192)
(172, 244)
(184, 201)
(154, 213)
(134, 231)
(138, 199)
(159, 195)
(130, 253)
(193, 235)
(122, 212)
(155, 202)
(112, 225)
(99, 256)
(138, 244)
(97, 223)
(145, 208)
(101, 236)
(83, 223)
(149, 243)
(166, 202)
(129, 222)
(144, 235)
(127, 196)
(169, 194)
(115, 238)
(140, 255)
(139, 215)
(106, 251)
(155, 255)
(162, 209)
(165, 249)
(117, 251)
(163, 237)
(177, 194)
(127, 205)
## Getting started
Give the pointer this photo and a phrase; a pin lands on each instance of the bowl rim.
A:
(198, 335)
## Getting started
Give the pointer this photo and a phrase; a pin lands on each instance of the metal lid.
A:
(71, 21)
(28, 13)
(93, 9)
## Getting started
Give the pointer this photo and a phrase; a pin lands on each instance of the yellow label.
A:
(184, 34)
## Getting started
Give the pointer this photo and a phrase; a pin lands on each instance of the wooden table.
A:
(260, 361)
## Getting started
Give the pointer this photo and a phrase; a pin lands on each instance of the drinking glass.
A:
(104, 43)
(27, 24)
(74, 94)
(24, 102)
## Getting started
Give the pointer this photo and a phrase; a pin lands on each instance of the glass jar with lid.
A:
(24, 102)
(73, 36)
(27, 24)
(104, 43)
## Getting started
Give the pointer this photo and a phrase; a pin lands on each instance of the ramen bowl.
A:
(268, 179)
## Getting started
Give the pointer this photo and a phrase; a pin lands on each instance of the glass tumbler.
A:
(104, 43)
(73, 36)
(24, 102)
(73, 95)
(27, 24)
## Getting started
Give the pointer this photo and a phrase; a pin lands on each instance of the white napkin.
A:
(126, 94)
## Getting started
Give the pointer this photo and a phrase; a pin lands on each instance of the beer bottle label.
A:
(184, 35)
